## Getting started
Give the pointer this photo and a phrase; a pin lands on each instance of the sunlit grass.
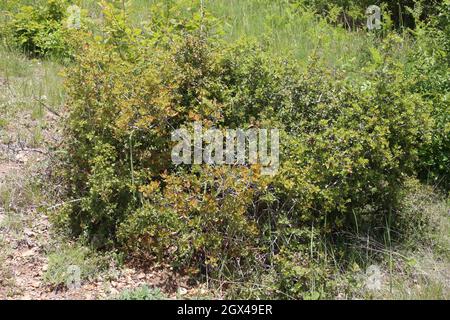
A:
(28, 90)
(284, 29)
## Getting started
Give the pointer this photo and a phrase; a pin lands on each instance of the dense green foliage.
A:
(430, 65)
(41, 30)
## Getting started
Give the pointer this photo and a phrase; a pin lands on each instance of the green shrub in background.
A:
(41, 30)
(351, 12)
(429, 65)
(346, 149)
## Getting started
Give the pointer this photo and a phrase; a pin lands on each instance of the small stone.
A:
(129, 271)
(22, 157)
(141, 276)
(113, 291)
(182, 291)
(28, 232)
(28, 253)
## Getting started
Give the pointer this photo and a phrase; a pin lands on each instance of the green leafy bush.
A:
(41, 30)
(432, 82)
(346, 149)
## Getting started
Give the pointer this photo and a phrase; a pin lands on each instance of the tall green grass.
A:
(284, 29)
(287, 29)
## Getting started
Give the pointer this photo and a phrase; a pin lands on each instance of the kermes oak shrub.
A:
(346, 149)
